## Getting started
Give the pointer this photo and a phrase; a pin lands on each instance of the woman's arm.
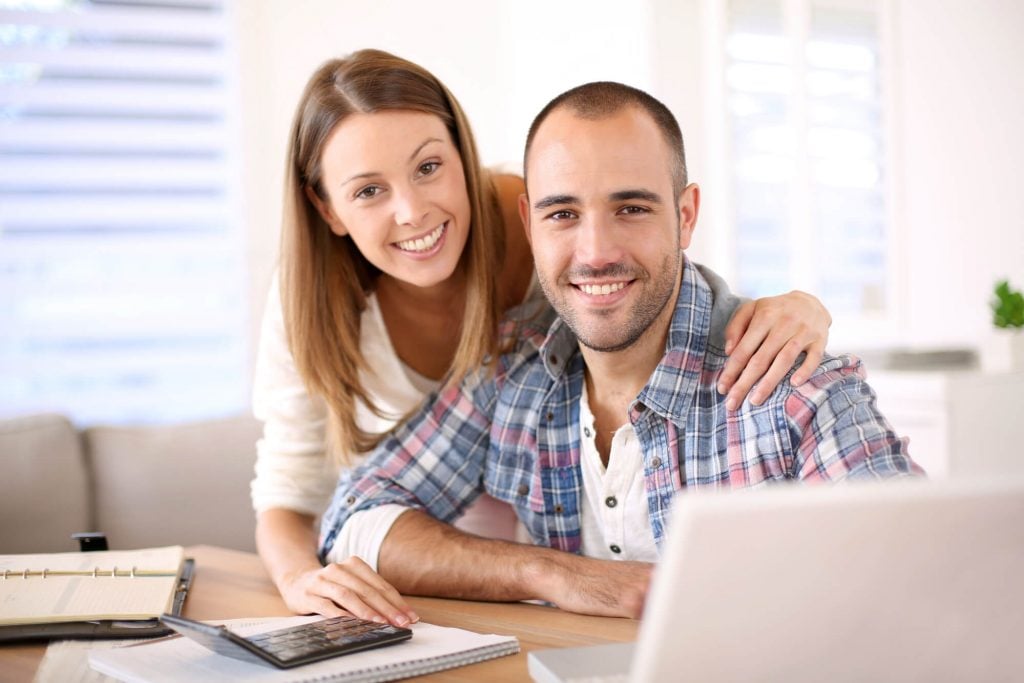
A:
(293, 482)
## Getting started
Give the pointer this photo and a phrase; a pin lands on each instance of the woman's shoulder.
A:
(517, 270)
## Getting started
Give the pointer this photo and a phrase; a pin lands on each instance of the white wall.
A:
(961, 149)
(959, 113)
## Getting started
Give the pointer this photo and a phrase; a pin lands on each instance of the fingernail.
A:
(414, 617)
(756, 400)
(796, 380)
(378, 619)
(401, 620)
(728, 347)
(730, 403)
(722, 388)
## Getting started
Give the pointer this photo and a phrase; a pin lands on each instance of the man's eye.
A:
(634, 210)
(429, 167)
(562, 215)
(368, 192)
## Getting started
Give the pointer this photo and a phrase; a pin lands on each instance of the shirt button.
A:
(640, 407)
(350, 500)
(656, 463)
(554, 359)
(550, 416)
(610, 501)
(615, 549)
(558, 509)
(523, 489)
(586, 432)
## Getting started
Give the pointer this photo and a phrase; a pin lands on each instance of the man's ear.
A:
(325, 211)
(524, 215)
(689, 207)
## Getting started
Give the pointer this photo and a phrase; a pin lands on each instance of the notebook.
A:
(890, 581)
(102, 585)
(431, 648)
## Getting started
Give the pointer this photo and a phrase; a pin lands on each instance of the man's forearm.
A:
(422, 556)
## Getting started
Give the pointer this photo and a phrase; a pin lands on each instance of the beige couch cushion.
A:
(175, 485)
(44, 488)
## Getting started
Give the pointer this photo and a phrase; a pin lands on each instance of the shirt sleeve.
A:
(363, 534)
(434, 461)
(838, 430)
(292, 468)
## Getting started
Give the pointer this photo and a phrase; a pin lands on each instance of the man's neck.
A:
(614, 379)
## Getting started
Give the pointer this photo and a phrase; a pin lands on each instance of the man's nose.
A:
(411, 207)
(596, 244)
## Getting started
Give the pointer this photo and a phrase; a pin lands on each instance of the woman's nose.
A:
(411, 208)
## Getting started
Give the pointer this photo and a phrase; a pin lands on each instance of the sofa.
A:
(147, 486)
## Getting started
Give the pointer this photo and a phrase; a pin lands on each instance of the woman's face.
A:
(395, 185)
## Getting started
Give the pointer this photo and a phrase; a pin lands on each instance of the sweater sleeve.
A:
(292, 468)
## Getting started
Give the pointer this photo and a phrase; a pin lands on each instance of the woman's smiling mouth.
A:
(425, 243)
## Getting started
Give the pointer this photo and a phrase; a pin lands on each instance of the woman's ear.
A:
(326, 212)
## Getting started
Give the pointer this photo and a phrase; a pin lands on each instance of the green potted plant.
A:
(1007, 351)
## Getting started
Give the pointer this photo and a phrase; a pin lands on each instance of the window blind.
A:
(122, 273)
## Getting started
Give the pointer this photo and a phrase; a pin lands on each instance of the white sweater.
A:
(292, 467)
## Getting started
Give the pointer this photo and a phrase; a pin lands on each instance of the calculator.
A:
(293, 646)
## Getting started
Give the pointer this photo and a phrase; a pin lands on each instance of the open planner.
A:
(91, 594)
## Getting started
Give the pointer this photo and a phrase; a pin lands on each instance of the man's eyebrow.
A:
(644, 195)
(370, 174)
(554, 200)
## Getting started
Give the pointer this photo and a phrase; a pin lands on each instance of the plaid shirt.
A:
(515, 433)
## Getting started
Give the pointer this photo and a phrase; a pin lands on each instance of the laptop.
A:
(884, 581)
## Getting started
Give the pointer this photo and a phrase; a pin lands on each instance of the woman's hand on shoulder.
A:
(350, 587)
(764, 339)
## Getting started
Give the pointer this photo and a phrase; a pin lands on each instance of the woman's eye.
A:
(368, 192)
(429, 167)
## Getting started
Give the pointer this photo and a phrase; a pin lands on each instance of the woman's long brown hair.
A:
(325, 278)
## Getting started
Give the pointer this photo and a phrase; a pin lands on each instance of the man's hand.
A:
(589, 586)
(422, 556)
(764, 339)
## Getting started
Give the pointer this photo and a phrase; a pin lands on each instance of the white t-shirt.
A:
(292, 467)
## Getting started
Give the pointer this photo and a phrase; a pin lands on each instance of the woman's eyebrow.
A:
(422, 145)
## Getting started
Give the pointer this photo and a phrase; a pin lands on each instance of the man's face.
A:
(605, 228)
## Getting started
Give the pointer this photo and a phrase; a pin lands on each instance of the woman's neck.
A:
(424, 323)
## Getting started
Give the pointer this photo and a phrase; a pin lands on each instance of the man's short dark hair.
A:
(602, 99)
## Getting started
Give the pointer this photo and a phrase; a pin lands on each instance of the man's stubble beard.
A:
(644, 312)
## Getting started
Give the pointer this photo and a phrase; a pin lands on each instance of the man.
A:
(597, 416)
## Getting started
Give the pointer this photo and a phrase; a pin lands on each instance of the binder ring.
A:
(44, 572)
(113, 572)
(95, 571)
(6, 572)
(24, 574)
(133, 571)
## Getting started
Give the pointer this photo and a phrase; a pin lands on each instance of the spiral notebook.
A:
(432, 648)
(94, 594)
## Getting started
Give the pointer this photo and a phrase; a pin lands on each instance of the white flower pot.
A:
(1003, 351)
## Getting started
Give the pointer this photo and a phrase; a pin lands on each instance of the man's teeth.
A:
(423, 243)
(601, 290)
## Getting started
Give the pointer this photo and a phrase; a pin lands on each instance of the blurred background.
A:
(867, 151)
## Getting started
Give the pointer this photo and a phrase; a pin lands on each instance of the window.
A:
(122, 271)
(804, 102)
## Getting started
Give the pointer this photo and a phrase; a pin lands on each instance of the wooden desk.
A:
(231, 584)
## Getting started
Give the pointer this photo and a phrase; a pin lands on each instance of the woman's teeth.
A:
(423, 243)
(601, 290)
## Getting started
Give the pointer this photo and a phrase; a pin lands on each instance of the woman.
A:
(399, 256)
